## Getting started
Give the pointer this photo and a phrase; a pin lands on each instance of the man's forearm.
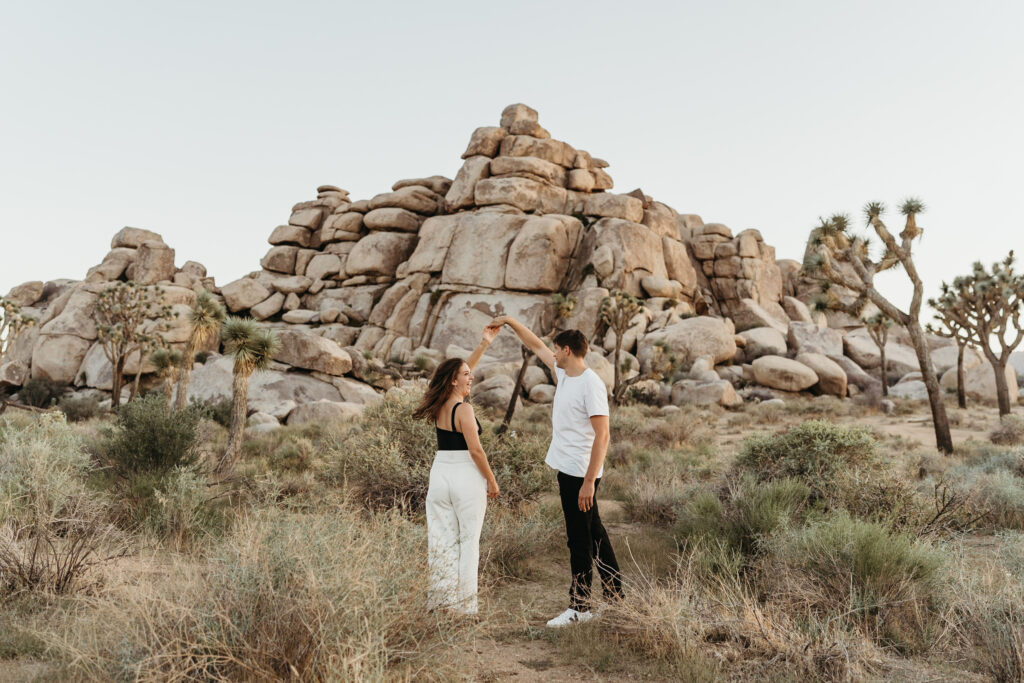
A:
(526, 335)
(597, 455)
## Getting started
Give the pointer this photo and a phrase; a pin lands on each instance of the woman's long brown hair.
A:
(438, 390)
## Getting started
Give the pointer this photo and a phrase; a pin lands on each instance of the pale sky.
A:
(206, 121)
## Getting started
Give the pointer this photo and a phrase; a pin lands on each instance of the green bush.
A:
(79, 408)
(149, 437)
(148, 441)
(994, 486)
(41, 392)
(816, 452)
(859, 573)
(386, 457)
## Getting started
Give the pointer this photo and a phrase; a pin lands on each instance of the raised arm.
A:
(529, 339)
(488, 335)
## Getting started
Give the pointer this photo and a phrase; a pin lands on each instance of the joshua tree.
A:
(206, 318)
(986, 305)
(166, 362)
(951, 329)
(253, 348)
(120, 311)
(618, 311)
(844, 259)
(878, 327)
(12, 323)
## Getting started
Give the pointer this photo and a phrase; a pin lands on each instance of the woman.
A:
(461, 481)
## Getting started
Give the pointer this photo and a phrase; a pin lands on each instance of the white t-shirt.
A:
(577, 399)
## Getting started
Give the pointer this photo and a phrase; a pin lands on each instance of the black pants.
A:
(587, 540)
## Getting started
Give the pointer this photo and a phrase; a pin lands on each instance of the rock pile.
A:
(416, 272)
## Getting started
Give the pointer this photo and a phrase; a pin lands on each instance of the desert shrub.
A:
(993, 484)
(291, 449)
(1010, 431)
(147, 442)
(41, 392)
(149, 437)
(816, 452)
(335, 595)
(512, 536)
(736, 522)
(859, 573)
(79, 408)
(182, 512)
(52, 527)
(218, 411)
(386, 457)
(884, 498)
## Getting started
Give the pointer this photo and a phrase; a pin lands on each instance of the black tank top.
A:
(451, 440)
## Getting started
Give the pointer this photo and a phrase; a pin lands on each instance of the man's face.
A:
(562, 354)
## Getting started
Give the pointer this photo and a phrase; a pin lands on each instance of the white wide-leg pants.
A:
(456, 503)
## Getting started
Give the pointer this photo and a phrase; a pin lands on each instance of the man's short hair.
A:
(572, 340)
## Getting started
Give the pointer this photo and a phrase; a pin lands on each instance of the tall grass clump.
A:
(861, 574)
(333, 595)
(385, 457)
(993, 484)
(1010, 431)
(730, 528)
(53, 529)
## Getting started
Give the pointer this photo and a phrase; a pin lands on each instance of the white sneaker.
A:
(569, 617)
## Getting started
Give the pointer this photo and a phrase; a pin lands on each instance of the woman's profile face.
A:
(463, 381)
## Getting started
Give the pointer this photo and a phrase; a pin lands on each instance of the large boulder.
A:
(463, 316)
(602, 367)
(538, 257)
(763, 341)
(914, 390)
(945, 358)
(435, 237)
(325, 412)
(270, 391)
(463, 190)
(980, 381)
(856, 375)
(494, 392)
(58, 356)
(76, 317)
(811, 338)
(413, 198)
(523, 193)
(307, 350)
(26, 293)
(379, 253)
(13, 374)
(586, 314)
(785, 374)
(243, 294)
(479, 249)
(114, 265)
(748, 314)
(720, 392)
(636, 252)
(859, 346)
(831, 376)
(133, 238)
(900, 359)
(154, 262)
(690, 339)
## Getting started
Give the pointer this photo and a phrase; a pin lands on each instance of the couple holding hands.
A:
(461, 479)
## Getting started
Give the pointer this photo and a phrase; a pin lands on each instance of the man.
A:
(579, 442)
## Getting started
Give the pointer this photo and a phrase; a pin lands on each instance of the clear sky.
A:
(206, 121)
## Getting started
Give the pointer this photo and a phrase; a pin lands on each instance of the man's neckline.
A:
(585, 368)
